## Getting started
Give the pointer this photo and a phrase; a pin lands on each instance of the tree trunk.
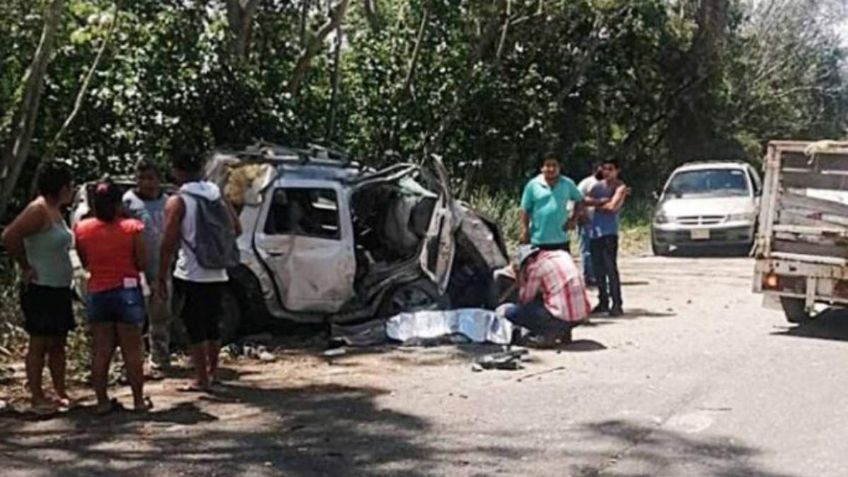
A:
(240, 15)
(337, 56)
(14, 155)
(372, 14)
(50, 152)
(314, 46)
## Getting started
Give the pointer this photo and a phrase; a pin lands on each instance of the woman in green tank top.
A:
(39, 241)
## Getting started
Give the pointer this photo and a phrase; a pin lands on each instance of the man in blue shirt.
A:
(544, 207)
(146, 202)
(607, 196)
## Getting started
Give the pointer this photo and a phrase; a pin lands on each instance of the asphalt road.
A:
(697, 380)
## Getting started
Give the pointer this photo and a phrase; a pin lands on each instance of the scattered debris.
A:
(259, 352)
(540, 373)
(332, 352)
(505, 360)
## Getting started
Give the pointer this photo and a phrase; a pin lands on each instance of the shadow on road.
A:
(716, 251)
(831, 324)
(649, 450)
(295, 431)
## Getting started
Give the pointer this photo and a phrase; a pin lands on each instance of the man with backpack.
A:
(201, 227)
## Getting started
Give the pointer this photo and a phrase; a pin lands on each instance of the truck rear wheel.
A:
(795, 310)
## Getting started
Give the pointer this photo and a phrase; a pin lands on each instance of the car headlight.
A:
(742, 217)
(661, 218)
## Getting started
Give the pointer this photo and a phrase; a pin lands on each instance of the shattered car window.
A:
(304, 212)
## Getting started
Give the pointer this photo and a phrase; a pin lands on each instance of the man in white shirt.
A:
(199, 289)
(585, 222)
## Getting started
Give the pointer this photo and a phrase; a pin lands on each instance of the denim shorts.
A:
(121, 305)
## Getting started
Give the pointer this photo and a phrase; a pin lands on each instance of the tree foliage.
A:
(487, 84)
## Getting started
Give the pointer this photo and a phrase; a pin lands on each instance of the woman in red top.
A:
(111, 248)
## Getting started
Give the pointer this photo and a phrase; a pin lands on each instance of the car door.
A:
(437, 254)
(306, 241)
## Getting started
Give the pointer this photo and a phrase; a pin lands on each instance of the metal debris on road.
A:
(506, 360)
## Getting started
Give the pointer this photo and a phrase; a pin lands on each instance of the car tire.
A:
(660, 250)
(421, 294)
(795, 310)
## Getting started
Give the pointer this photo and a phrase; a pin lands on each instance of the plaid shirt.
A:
(554, 275)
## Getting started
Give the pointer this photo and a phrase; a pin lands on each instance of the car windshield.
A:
(709, 182)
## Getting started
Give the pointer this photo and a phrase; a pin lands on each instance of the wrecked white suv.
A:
(326, 240)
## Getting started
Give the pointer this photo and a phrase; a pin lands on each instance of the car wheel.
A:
(795, 310)
(659, 250)
(231, 316)
(418, 295)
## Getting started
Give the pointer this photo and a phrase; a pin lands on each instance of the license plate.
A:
(701, 234)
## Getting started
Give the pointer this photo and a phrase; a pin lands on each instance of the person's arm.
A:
(80, 247)
(617, 202)
(174, 213)
(31, 221)
(590, 201)
(578, 198)
(528, 285)
(139, 251)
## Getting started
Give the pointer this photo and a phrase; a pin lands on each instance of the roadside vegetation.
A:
(489, 86)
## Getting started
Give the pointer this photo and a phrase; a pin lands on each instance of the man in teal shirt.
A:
(544, 207)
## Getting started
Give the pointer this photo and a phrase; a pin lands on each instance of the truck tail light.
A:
(771, 281)
(786, 283)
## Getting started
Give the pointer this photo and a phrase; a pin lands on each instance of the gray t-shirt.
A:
(152, 214)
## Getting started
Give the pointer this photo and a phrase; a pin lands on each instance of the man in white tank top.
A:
(197, 290)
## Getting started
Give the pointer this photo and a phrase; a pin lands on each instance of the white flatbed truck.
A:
(801, 248)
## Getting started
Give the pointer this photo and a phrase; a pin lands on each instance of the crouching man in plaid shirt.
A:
(552, 296)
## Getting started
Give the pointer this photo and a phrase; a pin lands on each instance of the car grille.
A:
(701, 219)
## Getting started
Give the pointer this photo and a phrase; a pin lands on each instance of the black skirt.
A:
(48, 311)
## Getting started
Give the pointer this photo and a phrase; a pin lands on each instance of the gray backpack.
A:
(214, 237)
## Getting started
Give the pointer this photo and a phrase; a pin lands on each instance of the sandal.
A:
(146, 407)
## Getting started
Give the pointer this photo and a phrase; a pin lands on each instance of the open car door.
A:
(439, 243)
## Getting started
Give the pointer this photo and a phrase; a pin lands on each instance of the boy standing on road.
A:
(608, 198)
(198, 287)
(544, 207)
(147, 203)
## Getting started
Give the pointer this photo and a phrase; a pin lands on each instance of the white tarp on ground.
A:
(478, 325)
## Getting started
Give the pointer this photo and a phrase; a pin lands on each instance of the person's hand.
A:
(569, 225)
(525, 237)
(29, 275)
(628, 191)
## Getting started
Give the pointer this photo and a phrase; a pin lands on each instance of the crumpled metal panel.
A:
(481, 236)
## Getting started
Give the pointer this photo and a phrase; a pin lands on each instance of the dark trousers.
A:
(605, 265)
(536, 318)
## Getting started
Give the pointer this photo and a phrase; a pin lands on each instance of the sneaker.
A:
(616, 312)
(539, 342)
(600, 309)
